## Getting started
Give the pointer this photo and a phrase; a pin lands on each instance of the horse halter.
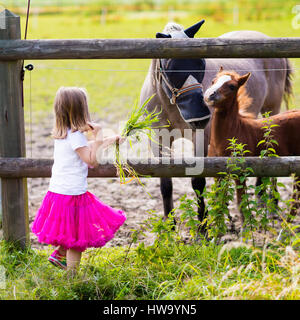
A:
(174, 91)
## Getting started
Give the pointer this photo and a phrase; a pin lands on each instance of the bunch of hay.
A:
(140, 122)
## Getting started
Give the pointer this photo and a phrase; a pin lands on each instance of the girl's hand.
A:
(120, 139)
(95, 127)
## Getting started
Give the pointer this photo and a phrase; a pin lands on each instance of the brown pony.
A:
(229, 98)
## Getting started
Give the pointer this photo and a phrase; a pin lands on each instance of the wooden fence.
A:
(15, 168)
(149, 48)
(157, 167)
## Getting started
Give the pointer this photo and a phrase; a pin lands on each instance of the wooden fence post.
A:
(12, 137)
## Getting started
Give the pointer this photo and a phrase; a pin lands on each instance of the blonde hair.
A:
(71, 111)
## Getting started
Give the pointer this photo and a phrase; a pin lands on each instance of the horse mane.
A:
(243, 99)
(171, 27)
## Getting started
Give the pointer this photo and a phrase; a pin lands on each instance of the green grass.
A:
(114, 85)
(168, 272)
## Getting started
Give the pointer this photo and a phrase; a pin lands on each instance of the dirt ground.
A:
(132, 197)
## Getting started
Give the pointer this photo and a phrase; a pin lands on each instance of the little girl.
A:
(70, 217)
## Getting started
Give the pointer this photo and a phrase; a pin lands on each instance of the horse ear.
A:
(243, 79)
(191, 31)
(162, 35)
(221, 69)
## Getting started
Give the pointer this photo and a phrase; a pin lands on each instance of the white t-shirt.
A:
(69, 172)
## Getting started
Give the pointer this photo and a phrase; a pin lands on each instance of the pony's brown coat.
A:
(231, 120)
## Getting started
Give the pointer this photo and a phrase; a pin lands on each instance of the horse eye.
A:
(231, 87)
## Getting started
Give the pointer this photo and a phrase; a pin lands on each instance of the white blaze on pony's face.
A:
(212, 94)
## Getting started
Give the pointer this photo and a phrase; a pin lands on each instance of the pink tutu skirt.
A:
(76, 222)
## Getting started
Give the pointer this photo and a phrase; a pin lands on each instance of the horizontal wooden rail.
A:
(163, 167)
(149, 48)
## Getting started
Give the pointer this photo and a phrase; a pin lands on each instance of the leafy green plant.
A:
(268, 138)
(267, 191)
(258, 216)
(188, 215)
(241, 175)
(218, 198)
(223, 190)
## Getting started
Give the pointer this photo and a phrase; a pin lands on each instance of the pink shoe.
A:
(58, 260)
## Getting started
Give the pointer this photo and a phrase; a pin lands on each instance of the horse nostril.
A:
(212, 96)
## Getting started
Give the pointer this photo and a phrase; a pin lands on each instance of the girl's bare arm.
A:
(89, 154)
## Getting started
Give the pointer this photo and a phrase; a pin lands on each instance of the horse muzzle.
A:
(199, 124)
(193, 109)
